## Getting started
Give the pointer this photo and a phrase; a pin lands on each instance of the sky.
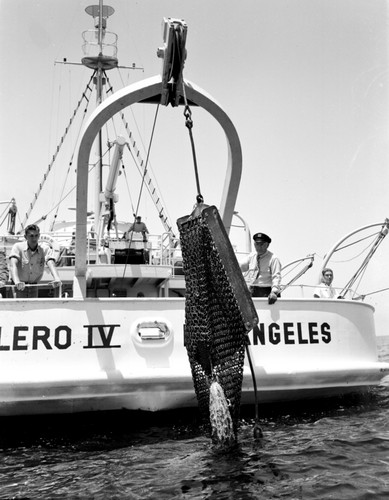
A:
(304, 81)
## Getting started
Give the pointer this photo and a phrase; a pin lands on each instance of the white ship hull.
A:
(100, 348)
(64, 356)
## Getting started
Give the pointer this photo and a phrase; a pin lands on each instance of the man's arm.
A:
(276, 275)
(54, 273)
(275, 267)
(3, 269)
(13, 264)
(244, 266)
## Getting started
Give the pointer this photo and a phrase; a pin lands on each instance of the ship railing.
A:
(92, 48)
(166, 251)
(160, 249)
(306, 291)
(9, 287)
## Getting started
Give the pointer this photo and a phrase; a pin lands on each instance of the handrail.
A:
(36, 285)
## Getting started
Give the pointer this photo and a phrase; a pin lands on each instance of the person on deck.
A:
(325, 290)
(138, 227)
(27, 263)
(3, 274)
(263, 270)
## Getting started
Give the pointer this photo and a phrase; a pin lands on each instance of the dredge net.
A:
(219, 310)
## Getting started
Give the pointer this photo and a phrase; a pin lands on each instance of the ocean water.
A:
(335, 449)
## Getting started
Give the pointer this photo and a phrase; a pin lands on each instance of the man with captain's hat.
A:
(262, 270)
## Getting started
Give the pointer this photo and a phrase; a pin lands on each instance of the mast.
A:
(100, 50)
(100, 55)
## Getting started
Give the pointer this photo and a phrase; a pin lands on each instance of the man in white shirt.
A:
(263, 270)
(138, 227)
(27, 263)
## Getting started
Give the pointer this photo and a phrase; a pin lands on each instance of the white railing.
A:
(161, 250)
(92, 47)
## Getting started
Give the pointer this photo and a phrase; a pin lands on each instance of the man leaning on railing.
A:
(27, 263)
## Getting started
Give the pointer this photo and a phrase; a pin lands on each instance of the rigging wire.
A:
(128, 188)
(372, 293)
(44, 217)
(284, 275)
(48, 170)
(5, 213)
(364, 249)
(358, 241)
(142, 183)
(139, 162)
(354, 291)
(299, 274)
(70, 164)
(147, 159)
(362, 268)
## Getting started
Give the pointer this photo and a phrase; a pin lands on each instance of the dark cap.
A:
(261, 237)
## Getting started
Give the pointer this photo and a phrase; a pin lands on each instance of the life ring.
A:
(53, 244)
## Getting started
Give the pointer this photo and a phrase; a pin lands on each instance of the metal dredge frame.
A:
(219, 311)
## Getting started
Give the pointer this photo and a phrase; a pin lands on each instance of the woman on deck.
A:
(325, 290)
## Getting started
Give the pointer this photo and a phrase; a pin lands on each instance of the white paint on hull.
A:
(60, 356)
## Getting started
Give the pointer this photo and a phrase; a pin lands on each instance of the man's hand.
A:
(56, 283)
(272, 298)
(20, 286)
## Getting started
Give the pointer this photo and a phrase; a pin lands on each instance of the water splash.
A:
(219, 413)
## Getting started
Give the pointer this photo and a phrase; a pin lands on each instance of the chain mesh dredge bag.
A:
(218, 314)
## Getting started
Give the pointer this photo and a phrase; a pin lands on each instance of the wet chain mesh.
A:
(215, 334)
